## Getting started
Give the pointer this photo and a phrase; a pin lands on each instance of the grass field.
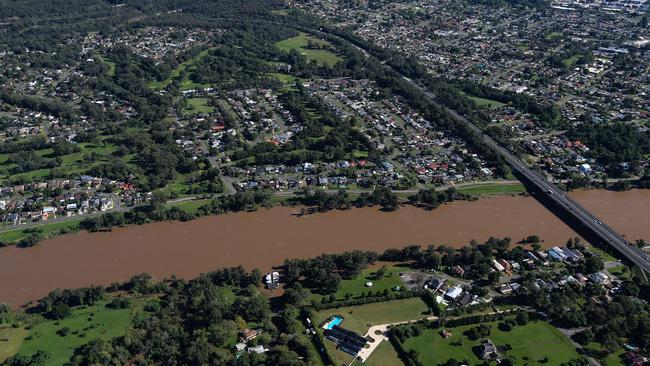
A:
(10, 341)
(300, 42)
(357, 286)
(198, 105)
(338, 357)
(536, 340)
(384, 355)
(48, 230)
(569, 62)
(286, 78)
(91, 154)
(622, 272)
(85, 324)
(178, 187)
(606, 257)
(357, 318)
(552, 36)
(359, 154)
(493, 189)
(187, 67)
(483, 102)
(190, 206)
(110, 64)
(614, 359)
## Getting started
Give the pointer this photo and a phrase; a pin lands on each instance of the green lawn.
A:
(198, 105)
(91, 154)
(483, 102)
(103, 323)
(493, 189)
(286, 78)
(357, 286)
(190, 206)
(47, 229)
(622, 272)
(300, 43)
(359, 154)
(606, 257)
(186, 83)
(339, 358)
(553, 35)
(10, 341)
(357, 318)
(110, 64)
(178, 187)
(536, 340)
(384, 355)
(569, 62)
(614, 359)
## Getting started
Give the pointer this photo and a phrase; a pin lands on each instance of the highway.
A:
(576, 212)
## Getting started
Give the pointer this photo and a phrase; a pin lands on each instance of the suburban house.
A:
(436, 284)
(488, 351)
(248, 334)
(345, 340)
(453, 293)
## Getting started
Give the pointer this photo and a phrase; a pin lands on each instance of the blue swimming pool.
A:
(335, 321)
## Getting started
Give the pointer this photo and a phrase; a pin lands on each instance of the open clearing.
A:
(484, 102)
(47, 230)
(535, 340)
(85, 324)
(198, 105)
(493, 189)
(300, 44)
(357, 286)
(360, 318)
(90, 154)
(190, 206)
(186, 68)
(10, 341)
(384, 355)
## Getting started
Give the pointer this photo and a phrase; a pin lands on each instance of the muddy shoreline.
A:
(266, 237)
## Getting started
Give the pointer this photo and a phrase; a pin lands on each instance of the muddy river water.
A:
(266, 237)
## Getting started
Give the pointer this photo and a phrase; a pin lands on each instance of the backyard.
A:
(198, 105)
(530, 344)
(356, 287)
(360, 318)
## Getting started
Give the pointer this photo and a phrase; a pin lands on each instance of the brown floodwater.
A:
(266, 237)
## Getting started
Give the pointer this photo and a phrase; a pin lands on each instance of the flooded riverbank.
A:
(266, 237)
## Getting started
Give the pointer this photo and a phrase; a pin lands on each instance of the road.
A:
(378, 333)
(569, 334)
(577, 213)
(229, 189)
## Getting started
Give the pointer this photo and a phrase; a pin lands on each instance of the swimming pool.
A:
(335, 321)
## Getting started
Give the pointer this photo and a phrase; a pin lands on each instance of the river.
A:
(266, 237)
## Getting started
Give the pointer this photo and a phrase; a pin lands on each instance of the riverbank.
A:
(42, 230)
(266, 237)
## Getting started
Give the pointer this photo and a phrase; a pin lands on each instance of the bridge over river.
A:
(575, 214)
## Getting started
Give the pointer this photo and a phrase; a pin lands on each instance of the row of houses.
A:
(454, 295)
(598, 278)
